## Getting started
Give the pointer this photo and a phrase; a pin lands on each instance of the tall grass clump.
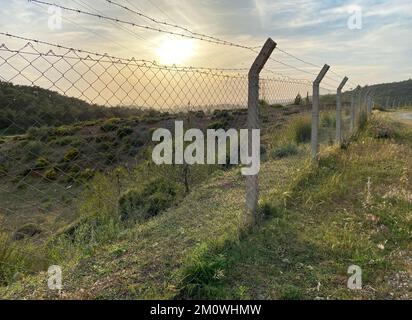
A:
(299, 130)
(18, 258)
(203, 272)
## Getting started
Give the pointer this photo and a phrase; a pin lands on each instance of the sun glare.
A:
(175, 51)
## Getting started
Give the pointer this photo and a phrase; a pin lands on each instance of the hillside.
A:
(353, 208)
(23, 107)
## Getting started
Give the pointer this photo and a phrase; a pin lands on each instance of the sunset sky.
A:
(316, 31)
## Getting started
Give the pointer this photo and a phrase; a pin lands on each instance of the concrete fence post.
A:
(353, 110)
(315, 111)
(369, 104)
(359, 105)
(339, 111)
(252, 181)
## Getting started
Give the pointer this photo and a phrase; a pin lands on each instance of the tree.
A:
(298, 99)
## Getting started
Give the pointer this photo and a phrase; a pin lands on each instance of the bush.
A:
(41, 163)
(140, 205)
(300, 130)
(50, 174)
(328, 120)
(34, 149)
(220, 124)
(110, 125)
(27, 231)
(285, 151)
(290, 292)
(298, 99)
(69, 140)
(267, 210)
(71, 154)
(65, 131)
(86, 174)
(277, 106)
(124, 131)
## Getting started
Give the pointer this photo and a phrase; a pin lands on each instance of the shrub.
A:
(382, 131)
(154, 197)
(286, 150)
(298, 99)
(86, 174)
(50, 174)
(124, 131)
(27, 231)
(110, 125)
(277, 106)
(34, 149)
(71, 154)
(290, 292)
(220, 124)
(267, 210)
(69, 140)
(327, 120)
(65, 131)
(42, 134)
(41, 163)
(300, 130)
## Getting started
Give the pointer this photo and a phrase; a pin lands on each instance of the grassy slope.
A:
(329, 222)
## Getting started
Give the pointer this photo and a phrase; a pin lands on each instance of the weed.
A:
(71, 154)
(286, 150)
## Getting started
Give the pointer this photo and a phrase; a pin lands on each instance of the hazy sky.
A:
(316, 31)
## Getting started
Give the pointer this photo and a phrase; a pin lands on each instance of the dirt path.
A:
(404, 117)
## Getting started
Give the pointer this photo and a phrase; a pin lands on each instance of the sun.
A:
(173, 51)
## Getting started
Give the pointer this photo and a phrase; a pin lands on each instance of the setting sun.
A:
(175, 51)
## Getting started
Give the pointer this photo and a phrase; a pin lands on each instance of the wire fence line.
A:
(110, 87)
(113, 81)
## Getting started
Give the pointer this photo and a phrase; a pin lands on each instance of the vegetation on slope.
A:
(316, 222)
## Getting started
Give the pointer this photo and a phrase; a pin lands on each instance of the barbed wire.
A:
(193, 35)
(146, 27)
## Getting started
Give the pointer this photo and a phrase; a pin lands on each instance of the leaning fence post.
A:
(252, 181)
(339, 111)
(315, 111)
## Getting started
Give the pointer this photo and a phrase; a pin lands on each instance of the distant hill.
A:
(389, 91)
(22, 107)
(399, 90)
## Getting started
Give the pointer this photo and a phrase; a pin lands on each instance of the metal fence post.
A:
(339, 111)
(315, 111)
(252, 181)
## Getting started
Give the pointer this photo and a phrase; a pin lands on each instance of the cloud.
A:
(314, 30)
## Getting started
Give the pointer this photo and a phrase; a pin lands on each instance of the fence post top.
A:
(342, 84)
(321, 74)
(262, 57)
